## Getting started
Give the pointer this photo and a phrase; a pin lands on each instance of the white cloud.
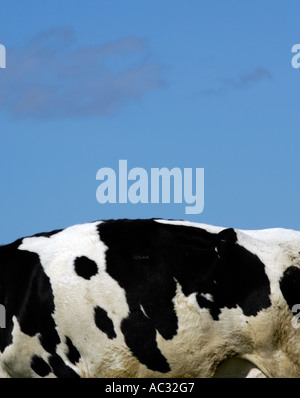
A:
(52, 77)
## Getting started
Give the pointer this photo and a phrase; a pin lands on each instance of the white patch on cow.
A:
(76, 297)
(207, 296)
(143, 311)
(274, 235)
(209, 228)
(16, 358)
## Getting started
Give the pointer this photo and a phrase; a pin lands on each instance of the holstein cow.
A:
(151, 298)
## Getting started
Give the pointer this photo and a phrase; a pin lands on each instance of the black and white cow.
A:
(151, 298)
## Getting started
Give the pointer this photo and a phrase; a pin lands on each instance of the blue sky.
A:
(171, 83)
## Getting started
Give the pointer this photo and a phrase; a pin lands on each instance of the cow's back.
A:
(138, 298)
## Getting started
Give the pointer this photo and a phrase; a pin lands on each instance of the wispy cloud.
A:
(53, 77)
(238, 83)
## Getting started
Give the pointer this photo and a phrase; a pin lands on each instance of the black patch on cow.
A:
(290, 285)
(26, 293)
(73, 354)
(60, 369)
(239, 278)
(140, 336)
(147, 257)
(40, 366)
(85, 267)
(104, 323)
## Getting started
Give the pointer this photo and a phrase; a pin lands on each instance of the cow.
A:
(151, 298)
